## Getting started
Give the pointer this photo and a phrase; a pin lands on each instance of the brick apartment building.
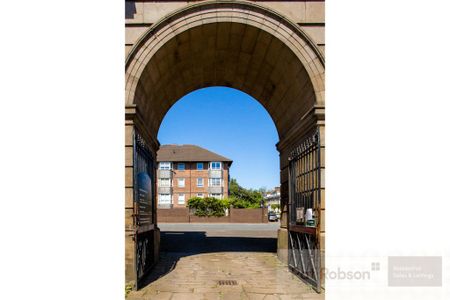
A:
(186, 171)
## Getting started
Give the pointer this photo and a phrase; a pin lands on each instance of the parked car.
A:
(272, 216)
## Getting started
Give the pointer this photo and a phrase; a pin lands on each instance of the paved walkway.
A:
(214, 256)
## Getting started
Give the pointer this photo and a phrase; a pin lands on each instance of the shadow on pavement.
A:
(178, 244)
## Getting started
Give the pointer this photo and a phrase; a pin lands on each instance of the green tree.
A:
(240, 197)
(262, 190)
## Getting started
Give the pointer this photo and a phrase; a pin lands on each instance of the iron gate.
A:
(144, 207)
(304, 210)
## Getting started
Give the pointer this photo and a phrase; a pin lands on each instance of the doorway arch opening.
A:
(231, 123)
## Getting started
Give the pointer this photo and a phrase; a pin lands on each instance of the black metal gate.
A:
(144, 208)
(304, 210)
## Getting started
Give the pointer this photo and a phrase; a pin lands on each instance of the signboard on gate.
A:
(144, 198)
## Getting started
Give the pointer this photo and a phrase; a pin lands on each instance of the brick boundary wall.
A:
(236, 215)
(195, 219)
(255, 215)
(173, 215)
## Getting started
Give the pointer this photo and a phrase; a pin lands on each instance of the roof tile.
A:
(188, 153)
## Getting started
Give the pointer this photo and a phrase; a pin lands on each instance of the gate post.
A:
(321, 126)
(130, 250)
(133, 127)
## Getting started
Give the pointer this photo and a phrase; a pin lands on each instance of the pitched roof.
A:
(188, 153)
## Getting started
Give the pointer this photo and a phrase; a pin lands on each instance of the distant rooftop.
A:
(188, 153)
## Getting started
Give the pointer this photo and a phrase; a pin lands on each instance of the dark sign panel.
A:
(143, 208)
(144, 198)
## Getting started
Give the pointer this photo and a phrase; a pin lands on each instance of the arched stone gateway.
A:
(219, 43)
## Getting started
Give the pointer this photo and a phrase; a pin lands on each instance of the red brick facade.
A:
(187, 171)
(190, 176)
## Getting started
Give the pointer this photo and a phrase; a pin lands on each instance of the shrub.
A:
(242, 203)
(207, 207)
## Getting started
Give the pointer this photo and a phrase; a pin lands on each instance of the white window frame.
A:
(164, 199)
(213, 180)
(213, 165)
(181, 164)
(161, 180)
(165, 165)
(184, 198)
(199, 164)
(200, 179)
(219, 197)
(201, 195)
(181, 180)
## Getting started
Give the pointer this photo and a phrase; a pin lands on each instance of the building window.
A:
(165, 165)
(215, 165)
(181, 166)
(200, 195)
(181, 182)
(200, 182)
(199, 166)
(217, 196)
(164, 182)
(181, 198)
(164, 198)
(215, 182)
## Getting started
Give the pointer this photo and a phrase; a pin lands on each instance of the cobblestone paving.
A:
(259, 275)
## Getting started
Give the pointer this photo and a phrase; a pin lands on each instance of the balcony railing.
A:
(164, 190)
(215, 190)
(165, 173)
(215, 173)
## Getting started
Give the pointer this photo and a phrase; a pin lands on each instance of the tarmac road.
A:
(202, 238)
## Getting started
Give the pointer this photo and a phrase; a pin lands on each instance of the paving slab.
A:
(195, 259)
(256, 275)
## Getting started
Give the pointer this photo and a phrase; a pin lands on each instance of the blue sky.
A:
(230, 123)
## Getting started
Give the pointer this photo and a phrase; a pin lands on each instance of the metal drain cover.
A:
(227, 282)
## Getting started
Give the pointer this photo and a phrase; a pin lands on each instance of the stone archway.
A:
(223, 43)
